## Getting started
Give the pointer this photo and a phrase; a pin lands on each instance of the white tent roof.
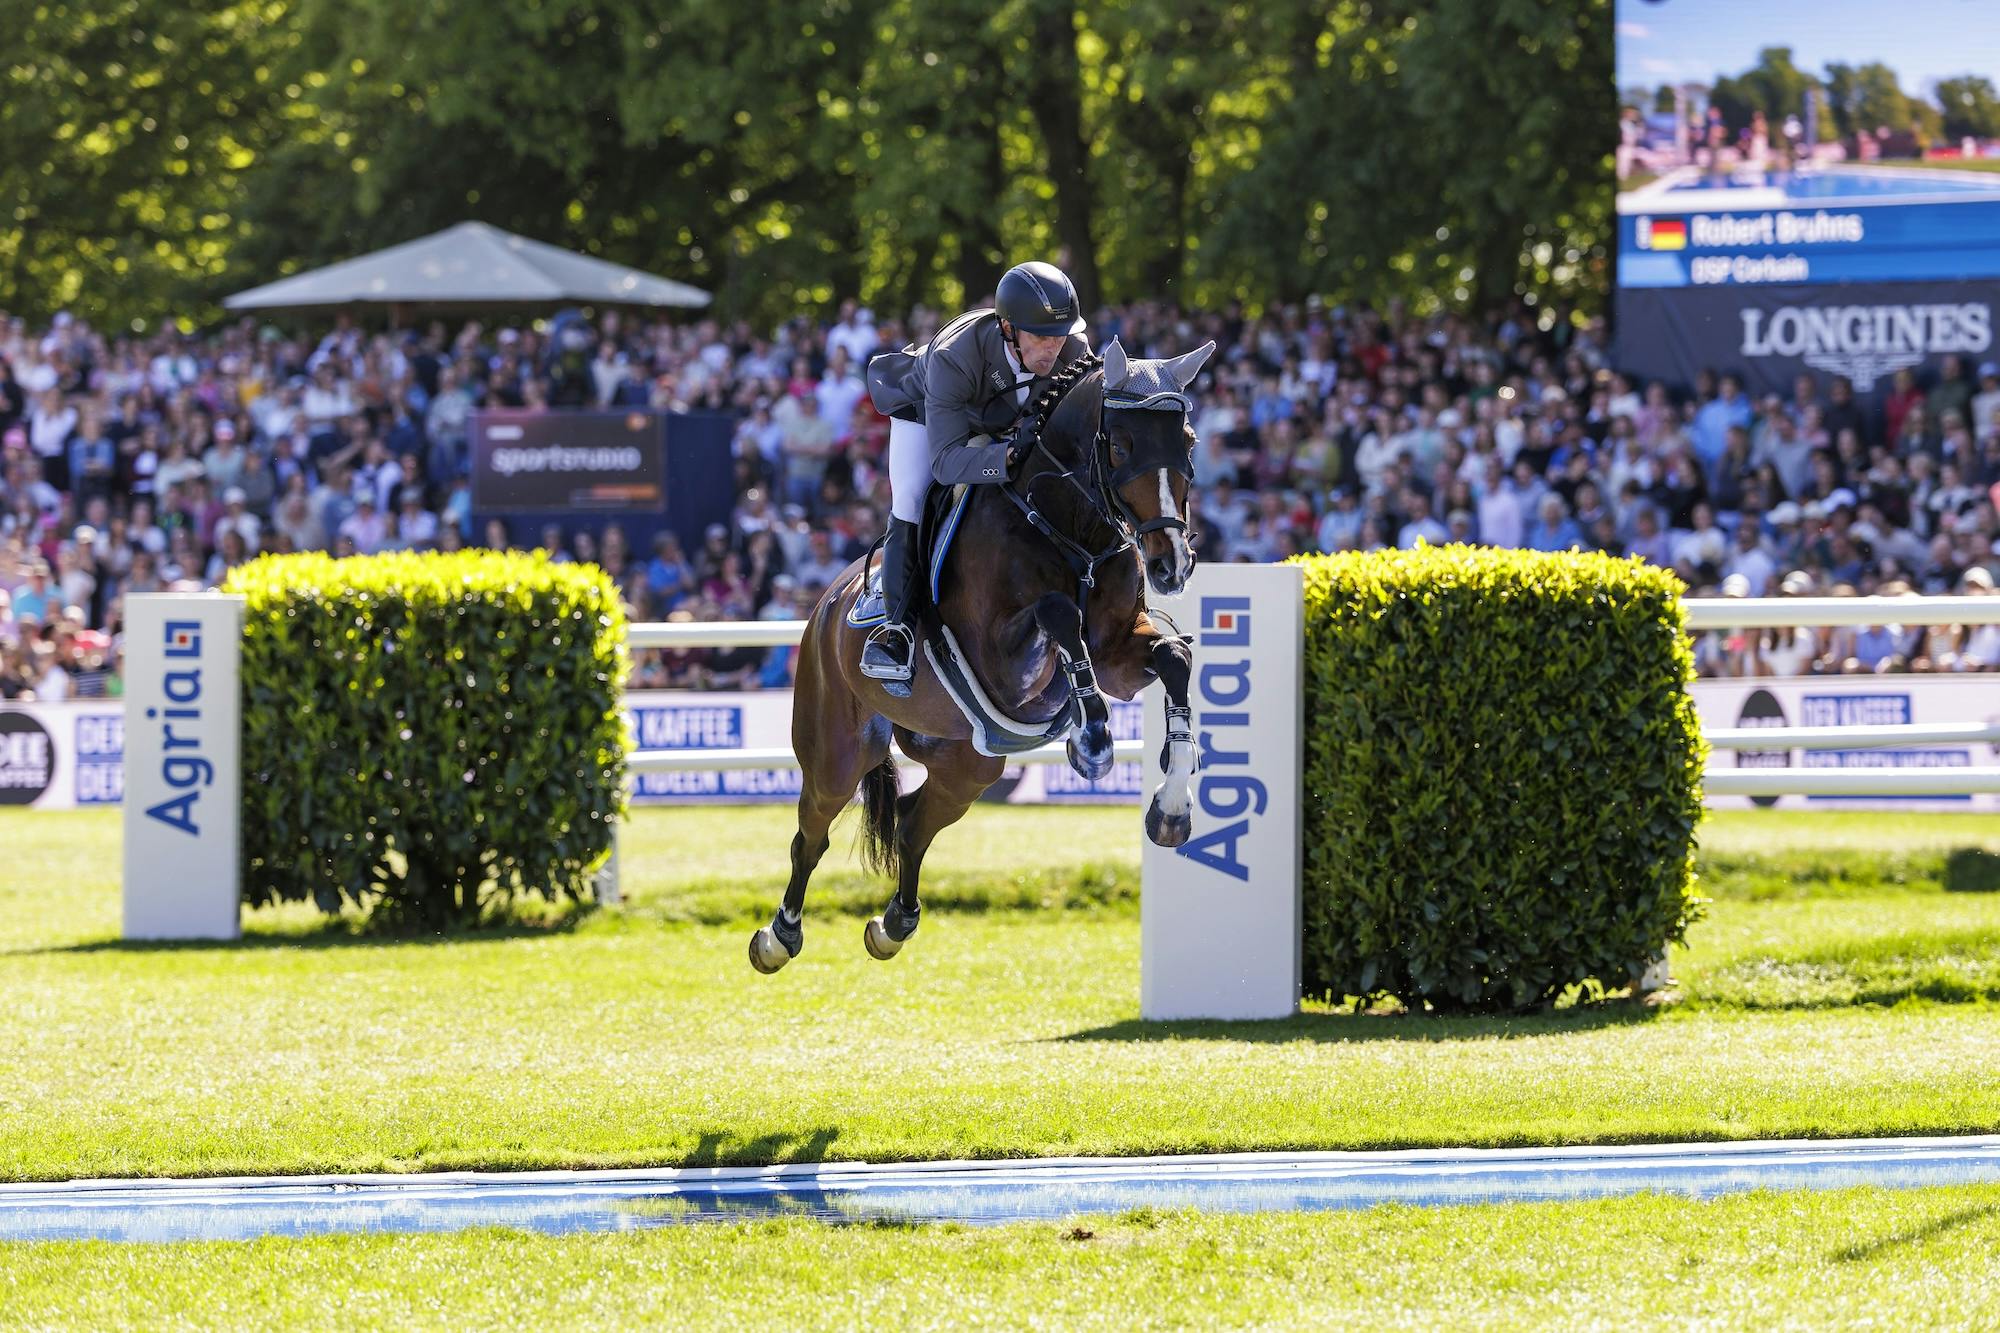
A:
(471, 263)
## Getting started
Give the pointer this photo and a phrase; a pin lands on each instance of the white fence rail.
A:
(710, 761)
(1706, 613)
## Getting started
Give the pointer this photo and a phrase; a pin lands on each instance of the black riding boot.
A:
(892, 646)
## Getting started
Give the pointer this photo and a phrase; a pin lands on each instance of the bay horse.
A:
(1043, 593)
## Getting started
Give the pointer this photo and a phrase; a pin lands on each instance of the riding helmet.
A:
(1039, 298)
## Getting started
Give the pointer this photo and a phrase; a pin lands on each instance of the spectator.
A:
(1318, 427)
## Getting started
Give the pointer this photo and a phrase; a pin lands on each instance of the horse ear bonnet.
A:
(1156, 385)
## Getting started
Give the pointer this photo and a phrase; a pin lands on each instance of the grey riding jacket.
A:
(961, 387)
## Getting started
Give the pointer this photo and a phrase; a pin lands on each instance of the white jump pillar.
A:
(183, 786)
(1220, 930)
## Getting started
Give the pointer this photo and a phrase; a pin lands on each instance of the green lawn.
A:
(1874, 1258)
(642, 1036)
(1949, 164)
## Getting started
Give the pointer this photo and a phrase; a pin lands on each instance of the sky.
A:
(1672, 41)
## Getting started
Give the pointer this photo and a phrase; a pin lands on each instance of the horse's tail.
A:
(878, 818)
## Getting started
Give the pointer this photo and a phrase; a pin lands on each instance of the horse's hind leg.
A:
(836, 749)
(957, 775)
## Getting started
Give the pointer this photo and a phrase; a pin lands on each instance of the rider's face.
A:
(1038, 354)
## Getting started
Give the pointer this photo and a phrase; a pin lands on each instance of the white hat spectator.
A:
(1784, 514)
(235, 495)
(1842, 497)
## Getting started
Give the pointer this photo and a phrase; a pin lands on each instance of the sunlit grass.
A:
(1847, 1258)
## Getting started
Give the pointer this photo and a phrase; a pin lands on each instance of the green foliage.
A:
(1971, 107)
(154, 158)
(1502, 776)
(428, 734)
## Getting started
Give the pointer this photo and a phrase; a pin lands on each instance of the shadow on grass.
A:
(334, 933)
(1846, 873)
(1376, 1027)
(1854, 1254)
(1092, 887)
(1939, 967)
(1972, 870)
(719, 1147)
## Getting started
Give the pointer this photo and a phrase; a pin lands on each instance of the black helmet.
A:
(1038, 298)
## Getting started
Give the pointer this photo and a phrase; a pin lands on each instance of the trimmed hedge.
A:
(427, 735)
(1502, 774)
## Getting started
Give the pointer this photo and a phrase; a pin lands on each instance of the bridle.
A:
(1098, 485)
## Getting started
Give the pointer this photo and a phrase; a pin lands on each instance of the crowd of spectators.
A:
(133, 463)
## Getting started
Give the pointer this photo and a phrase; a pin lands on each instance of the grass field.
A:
(1836, 988)
(1947, 164)
(1852, 1258)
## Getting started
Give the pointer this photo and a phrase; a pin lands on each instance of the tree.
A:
(1970, 107)
(125, 144)
(787, 154)
(1867, 98)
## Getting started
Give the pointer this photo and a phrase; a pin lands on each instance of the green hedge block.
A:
(1502, 774)
(427, 735)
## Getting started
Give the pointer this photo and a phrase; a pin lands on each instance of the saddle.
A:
(994, 733)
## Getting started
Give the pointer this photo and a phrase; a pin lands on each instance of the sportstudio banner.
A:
(1772, 334)
(600, 462)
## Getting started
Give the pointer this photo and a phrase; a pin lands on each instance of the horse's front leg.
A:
(1170, 817)
(1090, 749)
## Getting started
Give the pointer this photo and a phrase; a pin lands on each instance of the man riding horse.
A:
(948, 402)
(1037, 603)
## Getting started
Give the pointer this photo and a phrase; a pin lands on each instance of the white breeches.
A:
(909, 469)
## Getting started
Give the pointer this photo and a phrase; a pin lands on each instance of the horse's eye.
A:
(1119, 452)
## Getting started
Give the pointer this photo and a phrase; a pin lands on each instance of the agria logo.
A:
(182, 765)
(1224, 718)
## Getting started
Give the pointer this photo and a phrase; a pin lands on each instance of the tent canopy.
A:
(470, 264)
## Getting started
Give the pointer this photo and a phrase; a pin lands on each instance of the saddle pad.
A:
(942, 515)
(994, 733)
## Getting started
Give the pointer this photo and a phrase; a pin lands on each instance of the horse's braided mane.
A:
(1049, 399)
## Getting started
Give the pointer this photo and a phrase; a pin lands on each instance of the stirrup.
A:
(875, 668)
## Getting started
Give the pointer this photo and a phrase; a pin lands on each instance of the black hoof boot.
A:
(1090, 751)
(884, 935)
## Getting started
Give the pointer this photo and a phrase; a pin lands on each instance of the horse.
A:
(1043, 596)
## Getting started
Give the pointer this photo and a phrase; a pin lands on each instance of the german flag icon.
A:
(1662, 234)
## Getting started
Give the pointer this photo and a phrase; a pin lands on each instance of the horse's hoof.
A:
(880, 944)
(1167, 830)
(767, 952)
(1093, 763)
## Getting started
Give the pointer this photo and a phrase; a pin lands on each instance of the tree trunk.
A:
(1056, 96)
(980, 258)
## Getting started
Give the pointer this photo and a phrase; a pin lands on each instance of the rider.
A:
(948, 401)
